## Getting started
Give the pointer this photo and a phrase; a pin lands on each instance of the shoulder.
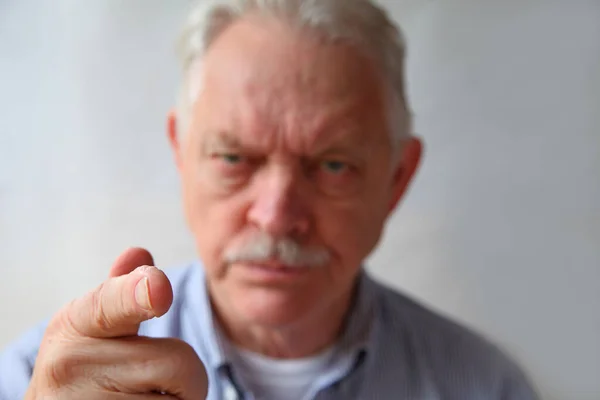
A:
(451, 355)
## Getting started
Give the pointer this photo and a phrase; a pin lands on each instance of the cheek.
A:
(214, 226)
(213, 218)
(351, 229)
(354, 223)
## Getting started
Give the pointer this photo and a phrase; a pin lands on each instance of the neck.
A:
(303, 338)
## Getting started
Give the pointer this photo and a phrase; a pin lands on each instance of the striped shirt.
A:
(392, 348)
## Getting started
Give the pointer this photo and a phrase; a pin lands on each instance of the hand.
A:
(91, 349)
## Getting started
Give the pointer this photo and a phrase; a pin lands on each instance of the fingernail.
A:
(142, 294)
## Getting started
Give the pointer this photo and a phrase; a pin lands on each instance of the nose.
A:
(278, 207)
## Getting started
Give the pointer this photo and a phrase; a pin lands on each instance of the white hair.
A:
(360, 22)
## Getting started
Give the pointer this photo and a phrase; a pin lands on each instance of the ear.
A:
(174, 139)
(410, 157)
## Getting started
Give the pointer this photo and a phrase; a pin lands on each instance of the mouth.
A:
(272, 272)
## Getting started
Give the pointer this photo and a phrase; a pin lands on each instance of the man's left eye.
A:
(335, 166)
(232, 158)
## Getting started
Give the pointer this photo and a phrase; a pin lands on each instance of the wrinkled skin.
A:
(288, 139)
(288, 135)
(91, 349)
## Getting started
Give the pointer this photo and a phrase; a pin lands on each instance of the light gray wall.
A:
(501, 229)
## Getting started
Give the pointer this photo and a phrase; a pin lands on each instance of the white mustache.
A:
(263, 247)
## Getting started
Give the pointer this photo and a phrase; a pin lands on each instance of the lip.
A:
(272, 272)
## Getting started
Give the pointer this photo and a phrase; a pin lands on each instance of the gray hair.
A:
(264, 247)
(360, 22)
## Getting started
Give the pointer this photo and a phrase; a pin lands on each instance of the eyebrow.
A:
(349, 140)
(221, 139)
(351, 151)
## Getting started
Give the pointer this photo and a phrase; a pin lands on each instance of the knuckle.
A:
(176, 360)
(99, 316)
(183, 351)
(62, 321)
(55, 363)
(60, 370)
(60, 364)
(110, 309)
(68, 321)
(186, 361)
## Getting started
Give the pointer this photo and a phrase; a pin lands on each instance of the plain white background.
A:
(501, 229)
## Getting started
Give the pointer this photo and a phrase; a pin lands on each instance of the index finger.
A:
(129, 260)
(118, 306)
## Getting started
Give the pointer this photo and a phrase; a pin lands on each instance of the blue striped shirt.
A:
(392, 348)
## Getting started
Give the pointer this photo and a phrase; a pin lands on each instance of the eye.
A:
(334, 166)
(231, 158)
(231, 162)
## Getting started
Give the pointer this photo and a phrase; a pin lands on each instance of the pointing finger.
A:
(129, 260)
(118, 306)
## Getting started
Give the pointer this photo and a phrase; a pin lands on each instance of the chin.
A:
(276, 307)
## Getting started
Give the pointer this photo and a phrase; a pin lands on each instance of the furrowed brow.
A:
(219, 140)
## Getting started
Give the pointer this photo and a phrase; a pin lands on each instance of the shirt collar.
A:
(360, 319)
(354, 340)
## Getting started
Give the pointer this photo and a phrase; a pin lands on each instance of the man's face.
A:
(288, 140)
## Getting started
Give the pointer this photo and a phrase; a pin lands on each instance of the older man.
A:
(293, 141)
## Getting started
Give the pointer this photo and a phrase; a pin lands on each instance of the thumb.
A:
(129, 260)
(118, 306)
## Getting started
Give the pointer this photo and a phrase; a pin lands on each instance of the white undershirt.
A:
(279, 379)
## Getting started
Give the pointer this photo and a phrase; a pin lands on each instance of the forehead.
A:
(267, 81)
